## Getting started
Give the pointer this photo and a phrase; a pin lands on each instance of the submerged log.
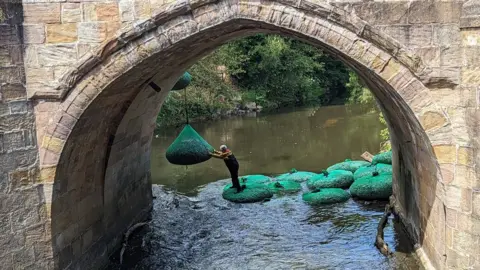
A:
(127, 235)
(379, 239)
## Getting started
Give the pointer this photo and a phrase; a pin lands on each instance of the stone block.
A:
(57, 55)
(423, 12)
(13, 140)
(421, 36)
(71, 13)
(21, 177)
(141, 9)
(465, 242)
(446, 35)
(430, 55)
(469, 224)
(24, 257)
(456, 260)
(447, 172)
(92, 32)
(11, 92)
(9, 35)
(465, 156)
(445, 153)
(126, 10)
(23, 218)
(430, 120)
(18, 107)
(465, 176)
(476, 203)
(451, 56)
(61, 33)
(471, 56)
(42, 13)
(451, 217)
(107, 12)
(470, 75)
(34, 33)
(470, 38)
(10, 75)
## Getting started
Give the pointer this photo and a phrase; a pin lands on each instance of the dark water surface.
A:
(194, 228)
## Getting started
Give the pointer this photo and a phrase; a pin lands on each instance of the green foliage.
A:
(358, 93)
(384, 135)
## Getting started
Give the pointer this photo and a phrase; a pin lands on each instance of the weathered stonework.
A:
(85, 65)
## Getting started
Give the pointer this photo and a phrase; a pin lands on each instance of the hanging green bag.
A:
(297, 176)
(251, 193)
(188, 148)
(285, 186)
(182, 82)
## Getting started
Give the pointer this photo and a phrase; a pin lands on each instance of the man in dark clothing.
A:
(232, 165)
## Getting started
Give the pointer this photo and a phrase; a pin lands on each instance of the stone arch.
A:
(96, 148)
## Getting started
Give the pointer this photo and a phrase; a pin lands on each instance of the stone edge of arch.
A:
(350, 21)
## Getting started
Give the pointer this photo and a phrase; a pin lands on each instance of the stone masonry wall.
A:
(23, 230)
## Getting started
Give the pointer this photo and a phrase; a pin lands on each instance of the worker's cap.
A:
(223, 147)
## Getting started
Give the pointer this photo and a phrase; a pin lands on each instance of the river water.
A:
(194, 228)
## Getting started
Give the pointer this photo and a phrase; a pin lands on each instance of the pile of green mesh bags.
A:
(252, 193)
(296, 176)
(326, 196)
(348, 165)
(332, 179)
(182, 82)
(188, 148)
(384, 158)
(284, 186)
(372, 187)
(368, 170)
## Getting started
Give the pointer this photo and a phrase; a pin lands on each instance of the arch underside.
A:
(99, 142)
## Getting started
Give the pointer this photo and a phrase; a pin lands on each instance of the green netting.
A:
(348, 165)
(385, 158)
(332, 179)
(368, 170)
(326, 196)
(254, 178)
(183, 81)
(285, 186)
(188, 148)
(373, 187)
(296, 176)
(251, 193)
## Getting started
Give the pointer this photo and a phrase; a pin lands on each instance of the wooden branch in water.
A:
(127, 235)
(379, 240)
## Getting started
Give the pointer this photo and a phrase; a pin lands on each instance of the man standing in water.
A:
(232, 165)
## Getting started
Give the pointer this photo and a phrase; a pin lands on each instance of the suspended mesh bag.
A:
(332, 179)
(252, 193)
(348, 165)
(368, 170)
(384, 158)
(326, 196)
(183, 81)
(188, 148)
(373, 187)
(296, 176)
(284, 186)
(254, 179)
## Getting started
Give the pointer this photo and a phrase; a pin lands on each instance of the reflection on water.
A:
(200, 230)
(308, 139)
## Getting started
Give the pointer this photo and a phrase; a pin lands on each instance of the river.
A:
(194, 228)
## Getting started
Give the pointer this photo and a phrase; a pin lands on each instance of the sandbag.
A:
(254, 178)
(188, 148)
(296, 176)
(348, 165)
(251, 193)
(326, 196)
(284, 186)
(182, 82)
(372, 187)
(368, 170)
(384, 158)
(332, 179)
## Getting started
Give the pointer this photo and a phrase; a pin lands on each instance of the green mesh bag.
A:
(332, 179)
(326, 196)
(252, 193)
(296, 176)
(254, 178)
(348, 165)
(284, 186)
(385, 158)
(183, 81)
(368, 170)
(373, 187)
(188, 148)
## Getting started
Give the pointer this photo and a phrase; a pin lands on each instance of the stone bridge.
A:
(77, 114)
